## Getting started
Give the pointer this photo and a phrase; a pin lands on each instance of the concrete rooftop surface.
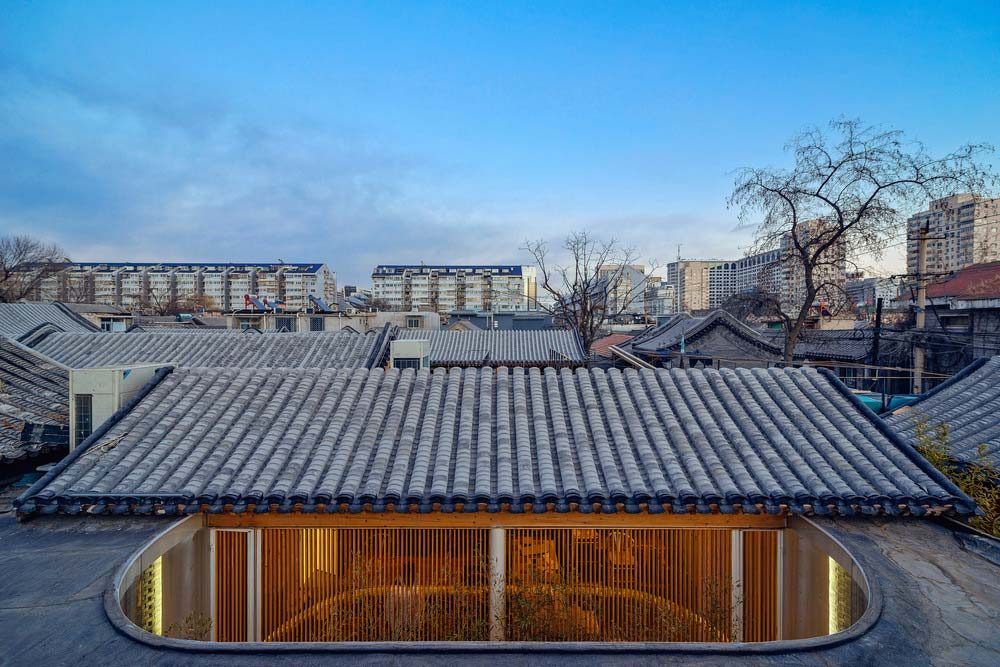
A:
(936, 594)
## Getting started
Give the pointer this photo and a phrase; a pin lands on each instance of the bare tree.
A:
(24, 263)
(379, 305)
(587, 289)
(167, 302)
(847, 194)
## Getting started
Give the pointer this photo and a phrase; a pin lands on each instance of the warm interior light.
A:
(151, 597)
(839, 587)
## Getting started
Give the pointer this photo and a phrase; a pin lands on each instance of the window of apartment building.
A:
(315, 324)
(284, 323)
(414, 322)
(84, 423)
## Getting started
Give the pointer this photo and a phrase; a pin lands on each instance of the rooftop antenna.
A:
(679, 252)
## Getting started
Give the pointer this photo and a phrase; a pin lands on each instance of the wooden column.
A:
(498, 584)
(737, 586)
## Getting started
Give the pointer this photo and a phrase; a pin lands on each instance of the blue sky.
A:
(360, 133)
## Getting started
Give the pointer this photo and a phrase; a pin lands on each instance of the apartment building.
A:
(760, 271)
(659, 297)
(626, 287)
(963, 230)
(140, 285)
(444, 288)
(701, 284)
(830, 273)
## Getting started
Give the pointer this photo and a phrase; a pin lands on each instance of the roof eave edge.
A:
(99, 433)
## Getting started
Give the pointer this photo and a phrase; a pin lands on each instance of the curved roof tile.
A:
(740, 439)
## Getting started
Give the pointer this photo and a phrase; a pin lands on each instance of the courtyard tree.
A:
(24, 263)
(847, 194)
(580, 279)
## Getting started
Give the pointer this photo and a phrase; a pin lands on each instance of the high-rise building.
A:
(962, 229)
(138, 285)
(829, 274)
(701, 284)
(659, 297)
(626, 287)
(761, 271)
(442, 289)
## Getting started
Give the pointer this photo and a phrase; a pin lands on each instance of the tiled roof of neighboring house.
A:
(94, 308)
(980, 281)
(21, 318)
(556, 347)
(834, 344)
(969, 403)
(197, 323)
(602, 346)
(758, 440)
(853, 345)
(667, 336)
(34, 404)
(337, 349)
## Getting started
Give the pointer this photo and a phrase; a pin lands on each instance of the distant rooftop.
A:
(980, 281)
(543, 347)
(294, 267)
(229, 348)
(390, 269)
(21, 318)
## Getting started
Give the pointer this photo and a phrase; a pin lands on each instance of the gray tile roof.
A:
(34, 404)
(969, 403)
(94, 308)
(852, 345)
(335, 349)
(197, 323)
(18, 319)
(556, 347)
(682, 440)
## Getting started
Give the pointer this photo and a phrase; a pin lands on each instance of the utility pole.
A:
(918, 351)
(875, 343)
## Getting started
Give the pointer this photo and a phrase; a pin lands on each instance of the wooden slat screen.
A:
(231, 603)
(374, 584)
(562, 584)
(618, 585)
(760, 585)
